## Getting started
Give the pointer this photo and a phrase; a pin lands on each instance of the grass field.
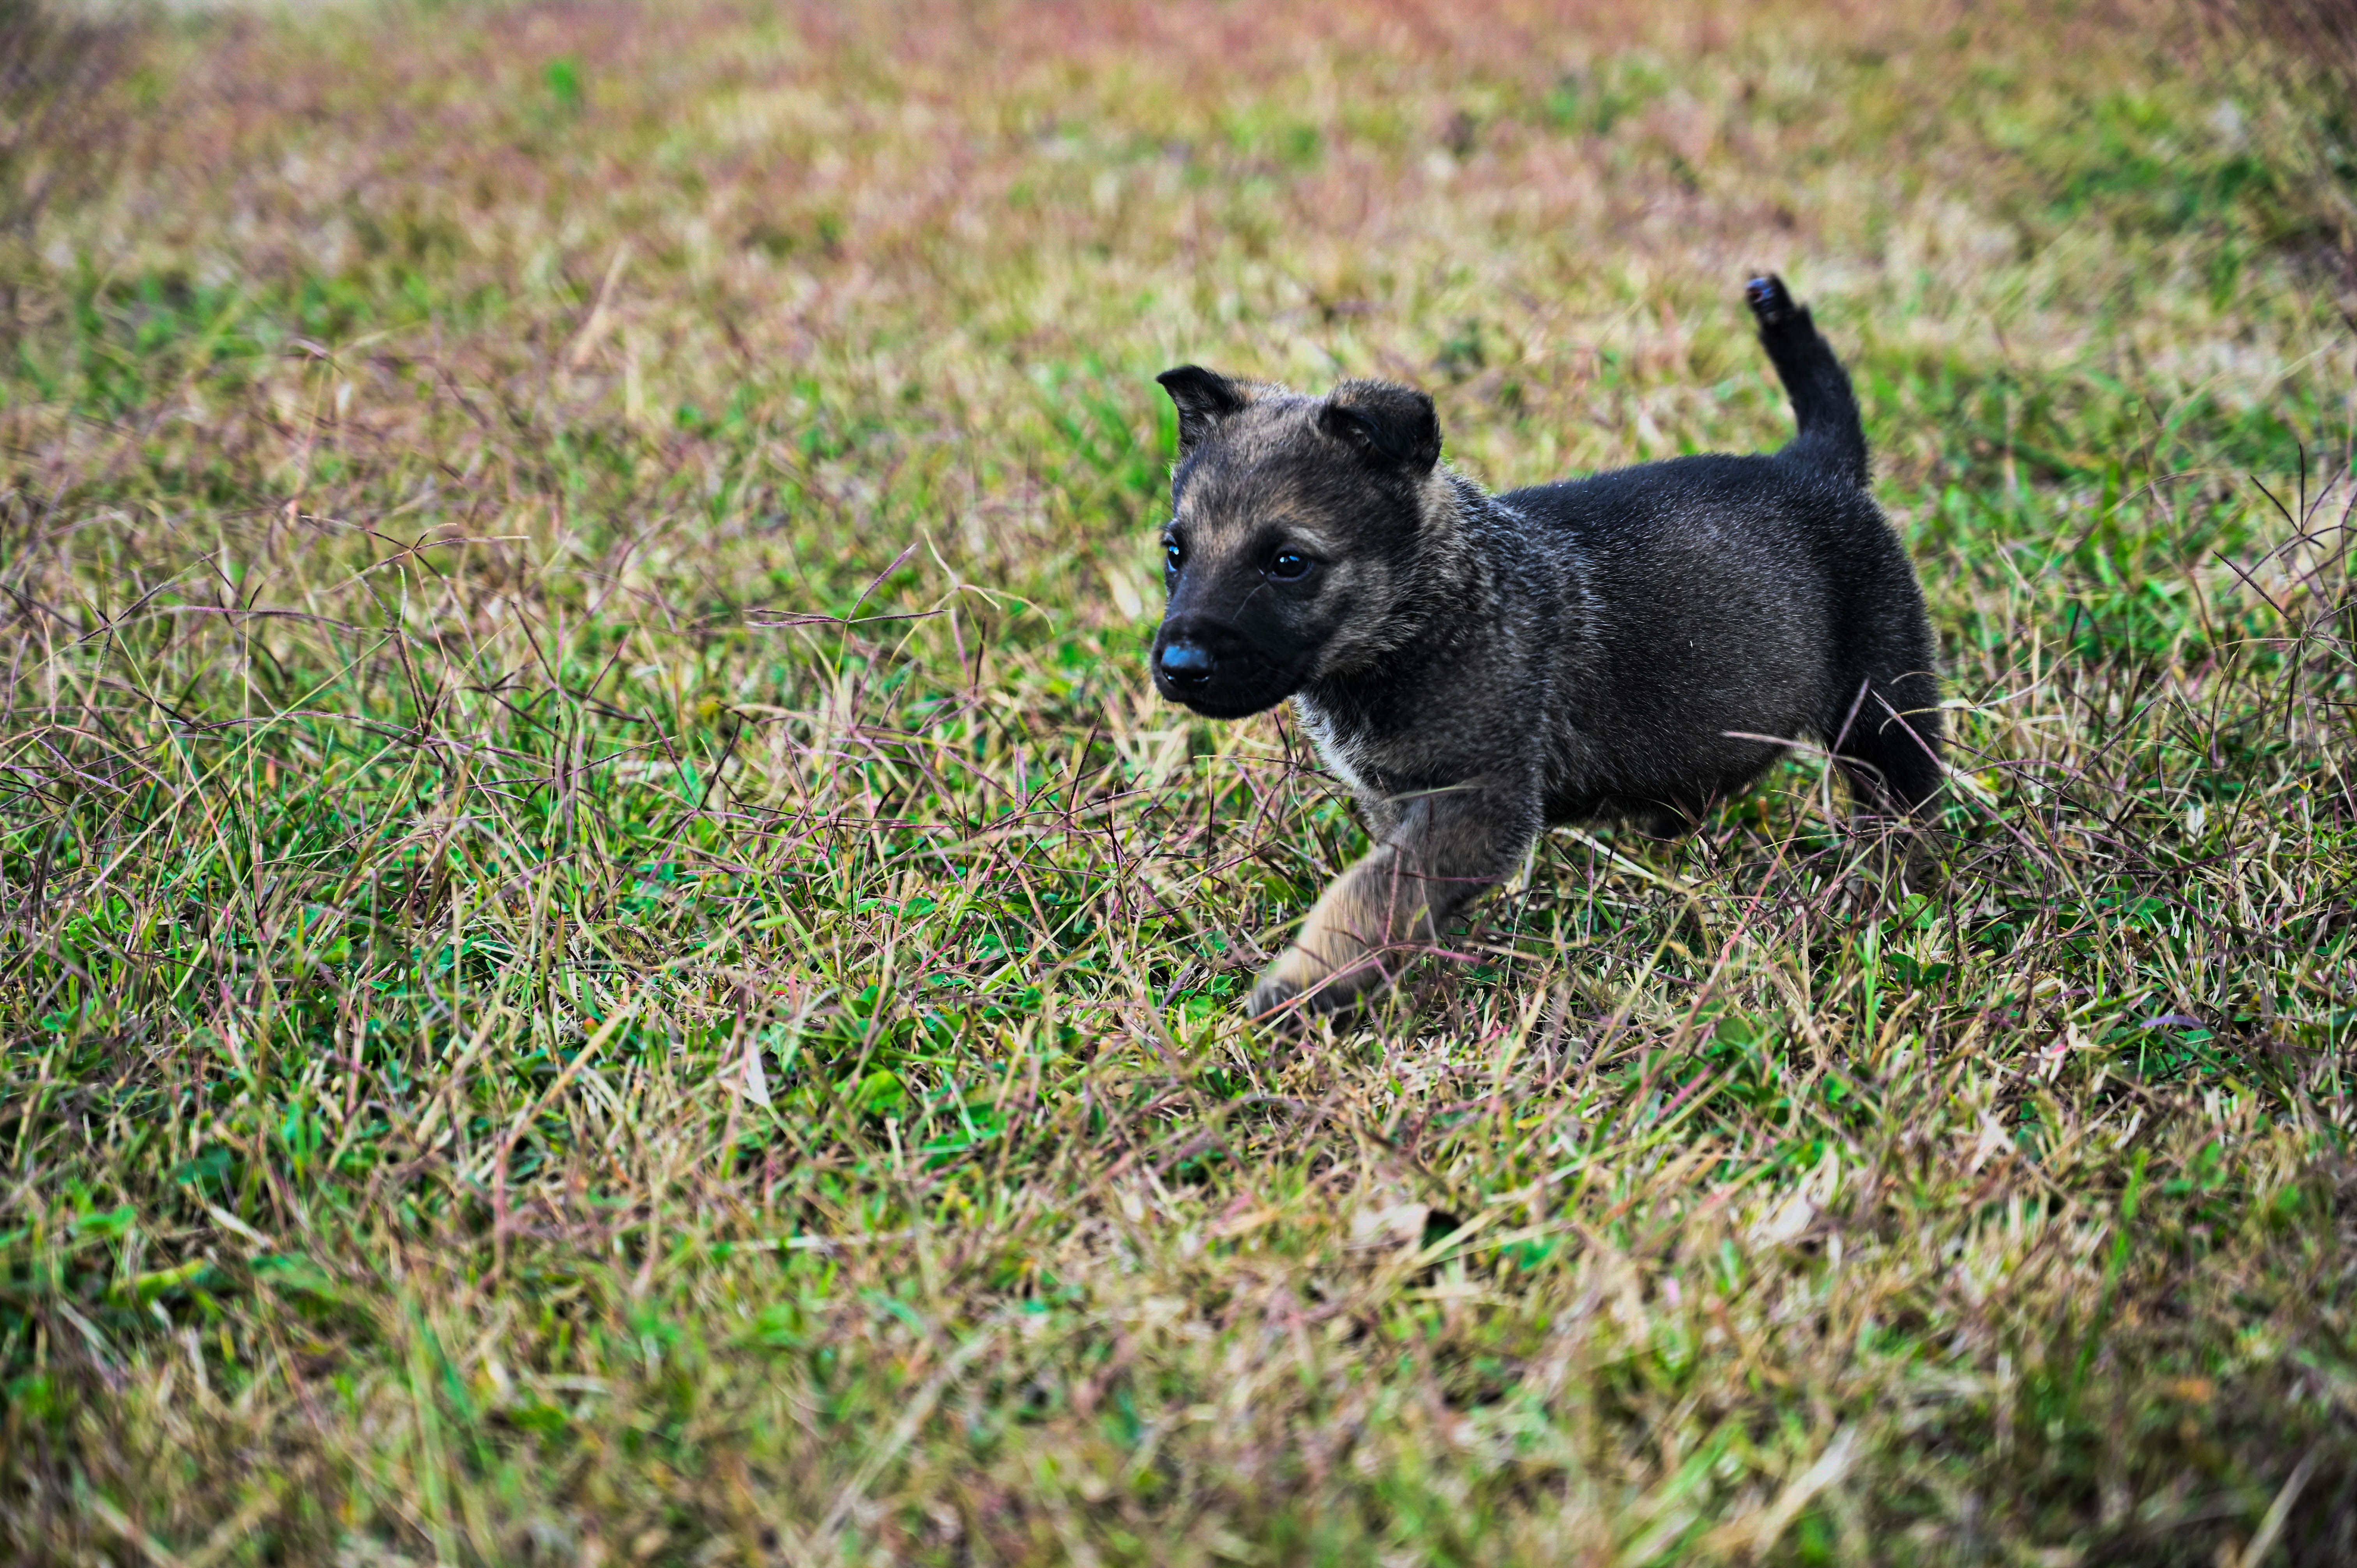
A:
(609, 957)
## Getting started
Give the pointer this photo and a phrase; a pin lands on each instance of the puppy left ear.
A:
(1389, 424)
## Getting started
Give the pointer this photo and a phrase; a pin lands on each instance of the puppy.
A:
(1475, 667)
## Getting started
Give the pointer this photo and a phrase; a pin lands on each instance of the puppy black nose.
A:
(1187, 663)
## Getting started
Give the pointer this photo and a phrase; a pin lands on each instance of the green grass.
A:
(609, 957)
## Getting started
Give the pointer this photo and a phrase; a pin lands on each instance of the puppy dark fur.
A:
(1475, 667)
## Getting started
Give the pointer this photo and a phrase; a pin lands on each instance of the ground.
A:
(609, 956)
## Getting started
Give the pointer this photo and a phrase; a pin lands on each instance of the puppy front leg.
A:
(1445, 849)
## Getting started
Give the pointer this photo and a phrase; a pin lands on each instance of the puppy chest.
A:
(1345, 755)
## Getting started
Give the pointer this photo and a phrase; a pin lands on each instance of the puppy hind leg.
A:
(1891, 749)
(1890, 755)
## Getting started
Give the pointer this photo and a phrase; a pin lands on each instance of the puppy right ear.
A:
(1204, 398)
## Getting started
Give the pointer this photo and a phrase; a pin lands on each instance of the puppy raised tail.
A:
(1833, 437)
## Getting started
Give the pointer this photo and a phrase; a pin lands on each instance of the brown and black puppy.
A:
(1475, 667)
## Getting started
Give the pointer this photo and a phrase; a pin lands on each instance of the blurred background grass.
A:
(609, 957)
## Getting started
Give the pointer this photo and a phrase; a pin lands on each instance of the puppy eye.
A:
(1288, 563)
(1173, 553)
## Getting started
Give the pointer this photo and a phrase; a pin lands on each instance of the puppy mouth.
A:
(1219, 676)
(1227, 704)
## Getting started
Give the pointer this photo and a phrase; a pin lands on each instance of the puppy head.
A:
(1297, 524)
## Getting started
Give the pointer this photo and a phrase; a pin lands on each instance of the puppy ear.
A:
(1204, 398)
(1392, 425)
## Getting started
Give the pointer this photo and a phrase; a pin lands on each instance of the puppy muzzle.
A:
(1217, 671)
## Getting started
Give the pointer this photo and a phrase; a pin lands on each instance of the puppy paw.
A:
(1925, 869)
(1770, 300)
(1298, 988)
(1273, 995)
